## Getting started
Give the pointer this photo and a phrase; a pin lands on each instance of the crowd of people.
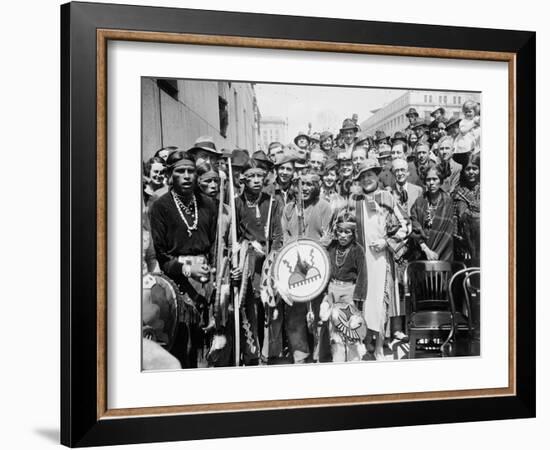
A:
(215, 219)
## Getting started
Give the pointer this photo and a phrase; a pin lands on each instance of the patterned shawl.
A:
(439, 237)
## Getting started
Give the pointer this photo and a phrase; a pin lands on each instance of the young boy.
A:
(346, 293)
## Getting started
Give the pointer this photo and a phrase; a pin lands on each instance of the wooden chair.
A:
(472, 292)
(429, 310)
(461, 340)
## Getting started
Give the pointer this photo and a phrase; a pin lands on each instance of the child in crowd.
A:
(347, 291)
(470, 130)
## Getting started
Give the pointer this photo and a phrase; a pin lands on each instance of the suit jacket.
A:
(413, 192)
(414, 178)
(451, 182)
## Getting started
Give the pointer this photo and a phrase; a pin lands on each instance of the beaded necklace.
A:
(431, 212)
(341, 256)
(181, 207)
(254, 204)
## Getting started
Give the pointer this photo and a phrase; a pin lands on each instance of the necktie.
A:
(403, 196)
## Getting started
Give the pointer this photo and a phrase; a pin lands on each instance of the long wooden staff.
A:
(234, 263)
(218, 315)
(268, 226)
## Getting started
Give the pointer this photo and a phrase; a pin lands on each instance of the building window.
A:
(440, 99)
(430, 99)
(425, 99)
(445, 99)
(459, 100)
(224, 116)
(169, 86)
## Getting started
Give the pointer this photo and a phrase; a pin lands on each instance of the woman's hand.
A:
(431, 255)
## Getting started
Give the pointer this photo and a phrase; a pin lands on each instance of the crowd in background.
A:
(374, 202)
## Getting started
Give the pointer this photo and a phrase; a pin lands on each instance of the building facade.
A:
(391, 118)
(273, 129)
(177, 112)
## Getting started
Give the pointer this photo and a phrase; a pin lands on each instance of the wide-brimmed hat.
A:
(289, 155)
(384, 151)
(239, 157)
(412, 112)
(399, 136)
(369, 164)
(380, 136)
(361, 138)
(453, 121)
(301, 134)
(349, 124)
(325, 135)
(315, 137)
(263, 159)
(422, 125)
(205, 143)
(440, 109)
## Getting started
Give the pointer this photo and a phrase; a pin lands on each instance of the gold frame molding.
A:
(105, 35)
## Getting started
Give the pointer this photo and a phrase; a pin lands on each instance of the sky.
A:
(325, 107)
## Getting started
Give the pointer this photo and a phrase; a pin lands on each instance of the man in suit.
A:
(404, 192)
(384, 158)
(398, 152)
(348, 132)
(412, 115)
(451, 169)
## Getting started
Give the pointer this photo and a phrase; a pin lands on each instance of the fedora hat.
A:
(399, 136)
(440, 109)
(349, 124)
(384, 151)
(263, 159)
(205, 143)
(421, 124)
(369, 164)
(290, 156)
(239, 157)
(380, 136)
(301, 134)
(451, 122)
(325, 135)
(315, 137)
(361, 138)
(412, 112)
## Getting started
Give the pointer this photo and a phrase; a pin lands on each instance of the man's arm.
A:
(159, 231)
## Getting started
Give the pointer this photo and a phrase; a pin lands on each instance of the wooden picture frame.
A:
(85, 30)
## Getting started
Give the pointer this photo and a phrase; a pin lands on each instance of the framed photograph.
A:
(279, 224)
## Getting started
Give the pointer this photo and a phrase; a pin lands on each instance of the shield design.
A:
(302, 270)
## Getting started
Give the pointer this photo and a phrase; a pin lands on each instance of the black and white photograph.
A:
(308, 224)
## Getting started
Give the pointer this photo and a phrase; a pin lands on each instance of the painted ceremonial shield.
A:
(302, 270)
(160, 309)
